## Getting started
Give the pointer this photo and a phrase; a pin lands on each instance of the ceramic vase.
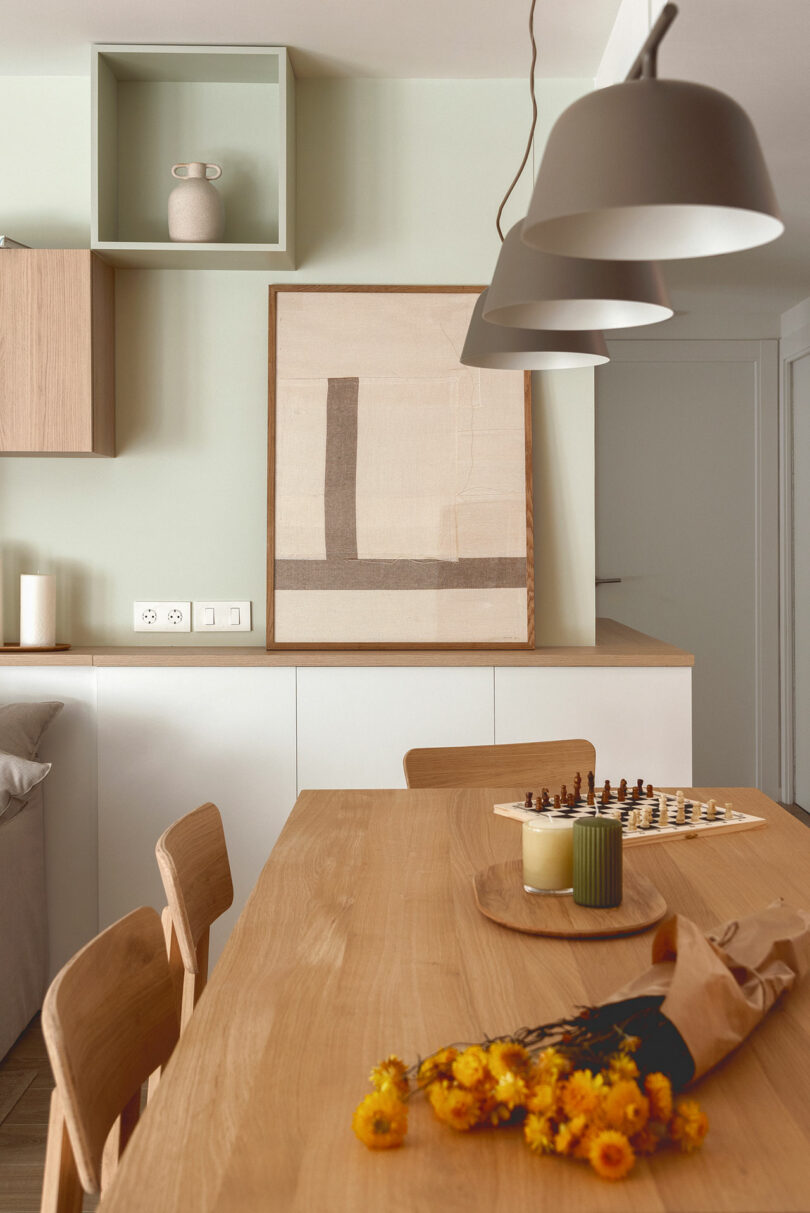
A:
(196, 213)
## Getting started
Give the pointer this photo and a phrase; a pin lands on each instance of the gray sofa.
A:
(23, 924)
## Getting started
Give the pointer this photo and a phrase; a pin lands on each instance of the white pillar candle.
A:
(548, 855)
(37, 610)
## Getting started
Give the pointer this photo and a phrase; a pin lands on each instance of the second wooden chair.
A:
(193, 860)
(528, 765)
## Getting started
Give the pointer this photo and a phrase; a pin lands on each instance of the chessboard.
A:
(647, 814)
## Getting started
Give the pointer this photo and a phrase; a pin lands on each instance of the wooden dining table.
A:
(362, 937)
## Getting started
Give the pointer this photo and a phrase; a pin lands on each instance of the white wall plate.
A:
(161, 616)
(222, 617)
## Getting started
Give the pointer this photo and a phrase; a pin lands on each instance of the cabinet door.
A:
(355, 724)
(171, 739)
(56, 352)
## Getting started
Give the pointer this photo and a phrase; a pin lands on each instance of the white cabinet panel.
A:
(640, 720)
(356, 724)
(171, 739)
(71, 863)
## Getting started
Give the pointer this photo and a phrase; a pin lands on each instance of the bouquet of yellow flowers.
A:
(599, 1085)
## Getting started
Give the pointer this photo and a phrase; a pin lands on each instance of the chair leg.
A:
(61, 1190)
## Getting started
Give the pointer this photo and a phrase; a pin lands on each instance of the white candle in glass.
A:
(548, 855)
(37, 610)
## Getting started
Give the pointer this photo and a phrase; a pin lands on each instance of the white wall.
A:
(398, 181)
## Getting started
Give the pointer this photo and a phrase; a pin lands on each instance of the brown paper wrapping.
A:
(717, 988)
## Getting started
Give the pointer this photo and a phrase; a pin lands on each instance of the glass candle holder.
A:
(548, 855)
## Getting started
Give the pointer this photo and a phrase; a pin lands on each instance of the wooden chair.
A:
(109, 1020)
(529, 765)
(193, 859)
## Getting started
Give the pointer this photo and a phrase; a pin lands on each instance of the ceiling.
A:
(413, 38)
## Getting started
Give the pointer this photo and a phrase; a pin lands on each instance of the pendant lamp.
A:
(652, 170)
(538, 290)
(496, 347)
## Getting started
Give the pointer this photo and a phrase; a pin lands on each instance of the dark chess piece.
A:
(622, 794)
(527, 803)
(570, 800)
(591, 781)
(591, 796)
(649, 791)
(635, 793)
(556, 802)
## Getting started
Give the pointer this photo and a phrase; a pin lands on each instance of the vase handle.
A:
(217, 172)
(180, 176)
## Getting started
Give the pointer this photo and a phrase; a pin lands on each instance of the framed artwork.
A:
(399, 481)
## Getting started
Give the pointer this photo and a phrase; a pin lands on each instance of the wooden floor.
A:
(25, 1128)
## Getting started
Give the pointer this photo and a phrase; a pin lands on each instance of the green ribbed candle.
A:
(598, 862)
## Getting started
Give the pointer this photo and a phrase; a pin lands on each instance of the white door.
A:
(686, 516)
(800, 396)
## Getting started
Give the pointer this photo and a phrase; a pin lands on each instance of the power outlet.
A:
(161, 617)
(222, 617)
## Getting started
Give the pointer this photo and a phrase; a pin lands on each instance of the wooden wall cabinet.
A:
(57, 353)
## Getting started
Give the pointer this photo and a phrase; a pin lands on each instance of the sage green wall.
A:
(398, 181)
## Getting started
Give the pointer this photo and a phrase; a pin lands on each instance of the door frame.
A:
(791, 349)
(764, 357)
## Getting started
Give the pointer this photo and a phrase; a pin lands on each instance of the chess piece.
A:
(556, 802)
(546, 801)
(663, 811)
(632, 819)
(604, 796)
(527, 803)
(680, 813)
(623, 784)
(591, 782)
(711, 810)
(563, 793)
(591, 797)
(679, 796)
(570, 800)
(616, 814)
(649, 791)
(607, 786)
(695, 812)
(646, 817)
(729, 813)
(635, 792)
(622, 793)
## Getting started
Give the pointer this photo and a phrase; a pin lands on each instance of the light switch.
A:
(222, 617)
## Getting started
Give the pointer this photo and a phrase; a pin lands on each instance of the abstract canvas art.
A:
(399, 481)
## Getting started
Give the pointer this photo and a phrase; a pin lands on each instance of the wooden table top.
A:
(362, 938)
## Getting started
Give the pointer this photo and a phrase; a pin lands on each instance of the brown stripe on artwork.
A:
(340, 480)
(474, 573)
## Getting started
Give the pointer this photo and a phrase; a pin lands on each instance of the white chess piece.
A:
(711, 810)
(729, 811)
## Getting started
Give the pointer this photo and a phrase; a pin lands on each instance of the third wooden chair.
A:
(529, 765)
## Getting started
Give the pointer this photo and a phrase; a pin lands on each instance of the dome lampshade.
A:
(538, 290)
(651, 170)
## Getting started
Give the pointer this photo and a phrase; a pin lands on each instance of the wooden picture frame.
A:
(320, 352)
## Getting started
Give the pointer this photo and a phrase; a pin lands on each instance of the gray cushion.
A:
(22, 725)
(18, 778)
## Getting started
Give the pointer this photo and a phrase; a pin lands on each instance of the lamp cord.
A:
(530, 142)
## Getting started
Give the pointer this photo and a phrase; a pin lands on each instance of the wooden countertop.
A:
(362, 938)
(616, 645)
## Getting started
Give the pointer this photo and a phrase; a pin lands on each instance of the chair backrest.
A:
(192, 856)
(528, 765)
(110, 1018)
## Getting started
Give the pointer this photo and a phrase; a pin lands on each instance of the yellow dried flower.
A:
(508, 1057)
(511, 1090)
(551, 1065)
(438, 1065)
(541, 1098)
(689, 1125)
(630, 1044)
(538, 1133)
(659, 1090)
(381, 1120)
(625, 1108)
(569, 1133)
(611, 1154)
(493, 1112)
(648, 1139)
(454, 1105)
(390, 1075)
(581, 1093)
(622, 1067)
(471, 1069)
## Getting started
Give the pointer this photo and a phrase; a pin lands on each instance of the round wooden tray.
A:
(33, 648)
(499, 895)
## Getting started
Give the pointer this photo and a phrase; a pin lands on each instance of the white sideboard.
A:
(147, 735)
